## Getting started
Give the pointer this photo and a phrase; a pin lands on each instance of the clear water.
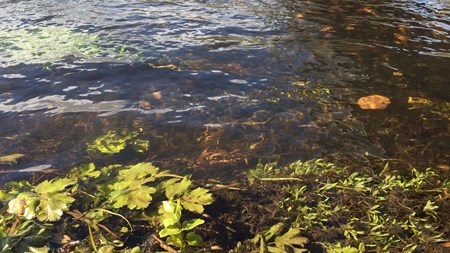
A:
(215, 82)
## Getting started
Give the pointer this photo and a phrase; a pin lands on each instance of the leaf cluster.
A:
(90, 196)
(385, 212)
(115, 141)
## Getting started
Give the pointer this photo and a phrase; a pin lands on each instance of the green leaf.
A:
(139, 171)
(196, 199)
(84, 172)
(171, 212)
(291, 239)
(115, 141)
(177, 189)
(133, 250)
(95, 216)
(191, 224)
(273, 231)
(170, 230)
(194, 239)
(275, 250)
(51, 209)
(339, 249)
(106, 249)
(176, 240)
(138, 198)
(53, 186)
(38, 250)
(110, 143)
(4, 196)
(140, 145)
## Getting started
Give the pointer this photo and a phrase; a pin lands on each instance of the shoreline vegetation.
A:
(303, 206)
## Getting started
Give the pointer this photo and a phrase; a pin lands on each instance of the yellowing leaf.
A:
(24, 205)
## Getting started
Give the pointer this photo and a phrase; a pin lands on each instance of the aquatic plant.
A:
(48, 45)
(40, 45)
(115, 141)
(312, 203)
(89, 196)
(382, 213)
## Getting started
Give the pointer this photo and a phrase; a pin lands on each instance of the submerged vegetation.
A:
(302, 206)
(88, 198)
(50, 44)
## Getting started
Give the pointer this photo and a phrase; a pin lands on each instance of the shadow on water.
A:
(216, 84)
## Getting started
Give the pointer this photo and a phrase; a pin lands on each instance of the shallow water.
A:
(218, 81)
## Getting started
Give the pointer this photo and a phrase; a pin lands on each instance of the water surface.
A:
(225, 82)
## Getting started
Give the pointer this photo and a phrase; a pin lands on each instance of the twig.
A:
(163, 245)
(278, 179)
(222, 186)
(215, 220)
(13, 227)
(108, 230)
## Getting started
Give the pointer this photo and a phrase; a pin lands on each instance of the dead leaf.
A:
(145, 105)
(373, 102)
(157, 95)
(327, 29)
(400, 38)
(368, 10)
(300, 83)
(445, 244)
(169, 66)
(66, 239)
(443, 167)
(350, 27)
(10, 159)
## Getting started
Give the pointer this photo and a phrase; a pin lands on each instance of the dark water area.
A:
(225, 82)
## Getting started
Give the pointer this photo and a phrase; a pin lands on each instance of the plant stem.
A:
(92, 239)
(163, 245)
